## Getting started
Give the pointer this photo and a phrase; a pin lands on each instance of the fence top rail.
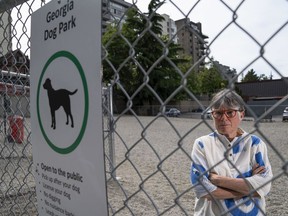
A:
(14, 74)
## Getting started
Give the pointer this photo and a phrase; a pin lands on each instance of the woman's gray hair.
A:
(228, 98)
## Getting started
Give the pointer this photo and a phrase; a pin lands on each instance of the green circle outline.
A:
(74, 145)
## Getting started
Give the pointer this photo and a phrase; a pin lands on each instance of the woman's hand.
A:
(214, 178)
(257, 169)
(233, 187)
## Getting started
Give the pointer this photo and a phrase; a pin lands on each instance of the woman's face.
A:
(227, 120)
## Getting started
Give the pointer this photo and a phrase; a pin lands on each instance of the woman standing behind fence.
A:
(230, 169)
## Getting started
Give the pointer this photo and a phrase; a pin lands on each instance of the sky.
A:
(233, 47)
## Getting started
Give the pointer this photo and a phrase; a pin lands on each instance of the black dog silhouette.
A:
(58, 98)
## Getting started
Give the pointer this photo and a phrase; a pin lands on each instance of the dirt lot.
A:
(154, 173)
(152, 168)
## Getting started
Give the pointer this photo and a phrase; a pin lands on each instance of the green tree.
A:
(139, 58)
(250, 76)
(117, 51)
(210, 80)
(192, 78)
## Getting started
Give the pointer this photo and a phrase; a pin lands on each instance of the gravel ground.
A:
(153, 176)
(152, 168)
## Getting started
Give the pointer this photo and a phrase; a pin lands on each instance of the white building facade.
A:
(169, 28)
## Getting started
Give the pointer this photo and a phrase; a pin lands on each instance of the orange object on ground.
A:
(16, 128)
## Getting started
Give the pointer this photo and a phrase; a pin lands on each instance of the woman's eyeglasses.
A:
(217, 114)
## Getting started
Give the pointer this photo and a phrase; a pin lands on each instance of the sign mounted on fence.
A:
(66, 108)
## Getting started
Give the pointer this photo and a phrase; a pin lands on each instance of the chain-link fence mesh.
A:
(147, 153)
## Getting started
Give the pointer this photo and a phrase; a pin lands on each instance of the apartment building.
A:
(192, 40)
(113, 11)
(169, 28)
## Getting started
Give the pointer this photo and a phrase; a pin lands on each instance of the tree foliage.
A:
(142, 61)
(252, 76)
(140, 58)
(211, 80)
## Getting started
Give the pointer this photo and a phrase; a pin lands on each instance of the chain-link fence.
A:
(147, 153)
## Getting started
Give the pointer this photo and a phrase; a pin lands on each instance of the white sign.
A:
(66, 108)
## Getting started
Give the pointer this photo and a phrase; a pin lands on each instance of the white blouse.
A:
(214, 153)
